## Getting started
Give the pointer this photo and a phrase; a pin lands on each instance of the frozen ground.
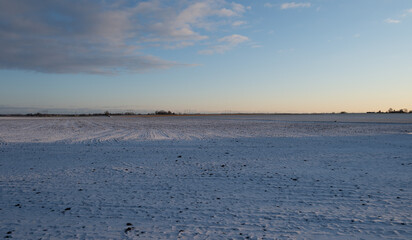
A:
(85, 129)
(215, 177)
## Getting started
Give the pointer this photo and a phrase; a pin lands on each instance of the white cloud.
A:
(234, 39)
(224, 12)
(294, 5)
(238, 23)
(239, 8)
(390, 20)
(101, 36)
(175, 25)
(180, 45)
(409, 10)
(228, 43)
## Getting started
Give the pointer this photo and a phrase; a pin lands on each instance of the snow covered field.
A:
(207, 177)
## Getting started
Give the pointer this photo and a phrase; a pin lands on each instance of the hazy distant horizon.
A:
(33, 110)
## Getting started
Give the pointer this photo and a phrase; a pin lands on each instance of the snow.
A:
(89, 129)
(207, 177)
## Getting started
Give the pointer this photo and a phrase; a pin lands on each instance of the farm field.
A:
(343, 176)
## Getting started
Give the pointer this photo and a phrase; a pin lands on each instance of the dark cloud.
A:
(103, 37)
(62, 56)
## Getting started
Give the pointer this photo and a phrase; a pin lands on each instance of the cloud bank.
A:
(103, 37)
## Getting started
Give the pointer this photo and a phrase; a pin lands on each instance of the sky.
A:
(212, 56)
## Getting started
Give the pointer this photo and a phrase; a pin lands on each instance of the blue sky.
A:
(205, 56)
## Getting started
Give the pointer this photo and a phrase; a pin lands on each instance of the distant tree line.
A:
(159, 112)
(163, 112)
(391, 110)
(403, 110)
(105, 113)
